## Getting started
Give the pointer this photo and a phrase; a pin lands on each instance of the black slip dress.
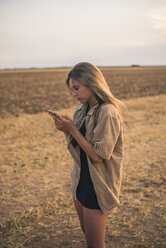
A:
(85, 190)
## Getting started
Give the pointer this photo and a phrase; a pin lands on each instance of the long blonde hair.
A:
(92, 77)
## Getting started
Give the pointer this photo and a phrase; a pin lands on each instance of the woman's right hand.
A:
(66, 117)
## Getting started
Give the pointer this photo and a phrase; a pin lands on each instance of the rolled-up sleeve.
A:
(105, 136)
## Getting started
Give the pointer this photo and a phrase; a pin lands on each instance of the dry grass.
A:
(35, 201)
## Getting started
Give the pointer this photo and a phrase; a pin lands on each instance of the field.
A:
(36, 208)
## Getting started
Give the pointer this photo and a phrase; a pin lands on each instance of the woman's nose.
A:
(74, 93)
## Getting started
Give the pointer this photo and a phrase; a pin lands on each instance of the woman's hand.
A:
(63, 123)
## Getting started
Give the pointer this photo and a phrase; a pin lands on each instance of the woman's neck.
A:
(92, 102)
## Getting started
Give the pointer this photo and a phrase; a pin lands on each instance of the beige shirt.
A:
(105, 134)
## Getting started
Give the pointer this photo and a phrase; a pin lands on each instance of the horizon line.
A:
(68, 67)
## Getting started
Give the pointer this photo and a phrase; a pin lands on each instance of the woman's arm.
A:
(66, 125)
(66, 134)
(85, 145)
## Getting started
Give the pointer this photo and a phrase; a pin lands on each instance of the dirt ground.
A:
(35, 91)
(36, 206)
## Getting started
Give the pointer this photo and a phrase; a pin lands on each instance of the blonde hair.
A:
(92, 77)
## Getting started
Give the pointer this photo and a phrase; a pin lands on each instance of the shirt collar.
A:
(92, 109)
(83, 109)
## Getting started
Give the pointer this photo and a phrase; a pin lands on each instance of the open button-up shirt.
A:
(106, 136)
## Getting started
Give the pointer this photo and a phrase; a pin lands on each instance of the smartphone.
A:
(50, 112)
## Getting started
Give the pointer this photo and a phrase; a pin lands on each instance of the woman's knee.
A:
(89, 245)
(95, 243)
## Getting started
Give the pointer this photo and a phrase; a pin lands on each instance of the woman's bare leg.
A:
(79, 209)
(95, 226)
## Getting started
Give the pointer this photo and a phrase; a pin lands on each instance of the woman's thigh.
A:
(79, 209)
(94, 225)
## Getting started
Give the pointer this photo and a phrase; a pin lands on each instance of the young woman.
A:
(95, 141)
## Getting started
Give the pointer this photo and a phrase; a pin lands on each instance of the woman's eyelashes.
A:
(75, 88)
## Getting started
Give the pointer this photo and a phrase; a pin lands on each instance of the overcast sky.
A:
(51, 33)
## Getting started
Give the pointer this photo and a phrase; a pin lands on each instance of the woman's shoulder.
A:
(108, 109)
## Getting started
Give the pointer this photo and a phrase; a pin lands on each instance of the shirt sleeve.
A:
(105, 136)
(70, 137)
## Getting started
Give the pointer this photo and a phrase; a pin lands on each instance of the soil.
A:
(36, 205)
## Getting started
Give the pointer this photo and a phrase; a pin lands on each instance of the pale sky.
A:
(54, 33)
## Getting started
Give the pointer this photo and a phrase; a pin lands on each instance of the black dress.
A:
(85, 190)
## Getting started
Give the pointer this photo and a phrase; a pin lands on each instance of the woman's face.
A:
(81, 92)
